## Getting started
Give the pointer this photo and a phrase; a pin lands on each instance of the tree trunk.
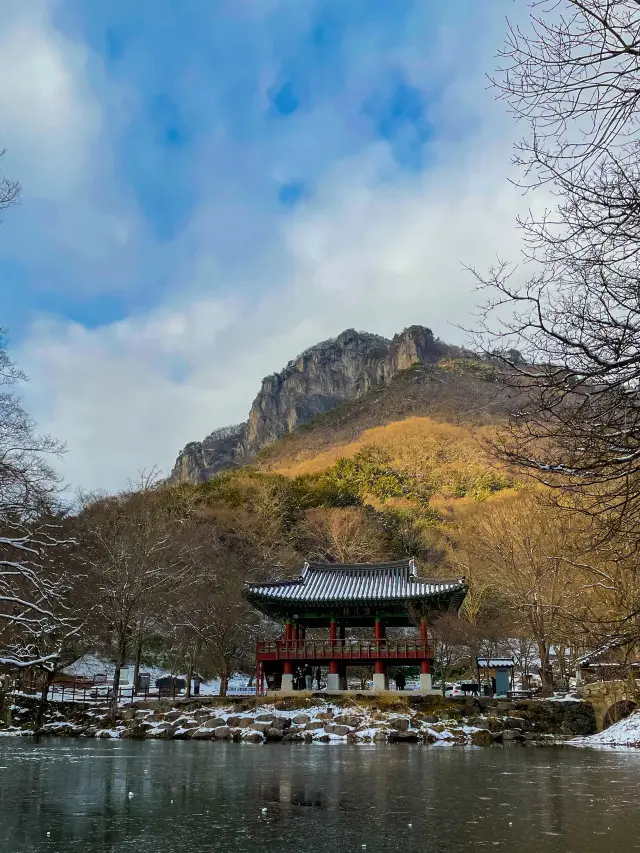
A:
(120, 662)
(224, 682)
(44, 698)
(546, 676)
(189, 676)
(136, 669)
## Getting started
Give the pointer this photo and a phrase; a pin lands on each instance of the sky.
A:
(211, 186)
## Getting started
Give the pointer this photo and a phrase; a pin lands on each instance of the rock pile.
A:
(505, 724)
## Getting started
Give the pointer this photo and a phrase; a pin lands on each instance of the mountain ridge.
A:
(324, 376)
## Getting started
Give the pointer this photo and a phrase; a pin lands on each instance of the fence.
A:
(97, 691)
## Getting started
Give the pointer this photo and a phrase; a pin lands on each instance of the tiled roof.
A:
(336, 582)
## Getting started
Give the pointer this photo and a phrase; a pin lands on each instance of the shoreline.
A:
(429, 720)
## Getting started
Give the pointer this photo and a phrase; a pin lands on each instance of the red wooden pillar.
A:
(425, 667)
(379, 629)
(333, 631)
(288, 667)
(333, 667)
(423, 630)
(288, 632)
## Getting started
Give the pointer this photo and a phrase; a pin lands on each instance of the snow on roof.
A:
(493, 663)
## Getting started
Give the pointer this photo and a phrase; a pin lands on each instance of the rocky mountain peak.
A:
(319, 379)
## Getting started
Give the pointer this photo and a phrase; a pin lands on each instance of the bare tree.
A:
(529, 555)
(344, 535)
(34, 618)
(10, 191)
(138, 559)
(571, 77)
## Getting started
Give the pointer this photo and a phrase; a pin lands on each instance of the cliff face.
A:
(324, 376)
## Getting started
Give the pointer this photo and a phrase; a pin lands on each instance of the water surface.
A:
(116, 796)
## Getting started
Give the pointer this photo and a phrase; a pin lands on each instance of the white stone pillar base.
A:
(380, 681)
(425, 682)
(333, 681)
(287, 681)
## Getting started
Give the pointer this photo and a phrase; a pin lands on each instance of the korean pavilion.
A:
(336, 597)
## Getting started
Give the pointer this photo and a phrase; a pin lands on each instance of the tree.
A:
(10, 191)
(34, 618)
(139, 558)
(529, 554)
(342, 535)
(571, 77)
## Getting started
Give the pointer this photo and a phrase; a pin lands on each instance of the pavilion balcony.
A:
(344, 650)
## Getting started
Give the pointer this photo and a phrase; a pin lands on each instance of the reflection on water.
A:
(99, 796)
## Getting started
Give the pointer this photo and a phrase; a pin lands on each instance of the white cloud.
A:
(375, 249)
(49, 118)
(377, 257)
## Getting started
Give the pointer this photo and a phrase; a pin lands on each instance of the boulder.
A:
(301, 720)
(273, 735)
(222, 733)
(430, 719)
(403, 737)
(348, 720)
(322, 739)
(293, 737)
(214, 722)
(335, 729)
(252, 737)
(512, 735)
(129, 714)
(265, 718)
(313, 725)
(400, 724)
(483, 737)
(325, 715)
(380, 737)
(244, 722)
(201, 734)
(173, 715)
(281, 723)
(261, 726)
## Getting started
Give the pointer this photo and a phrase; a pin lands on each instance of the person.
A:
(400, 680)
(308, 677)
(299, 678)
(318, 676)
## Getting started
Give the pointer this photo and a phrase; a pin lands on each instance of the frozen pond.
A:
(116, 796)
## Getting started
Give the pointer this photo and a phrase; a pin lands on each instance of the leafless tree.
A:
(34, 584)
(571, 77)
(10, 191)
(138, 559)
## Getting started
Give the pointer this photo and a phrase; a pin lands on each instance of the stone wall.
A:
(360, 720)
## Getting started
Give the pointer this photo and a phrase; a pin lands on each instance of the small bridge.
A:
(611, 700)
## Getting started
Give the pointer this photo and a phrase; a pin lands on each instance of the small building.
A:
(500, 671)
(337, 596)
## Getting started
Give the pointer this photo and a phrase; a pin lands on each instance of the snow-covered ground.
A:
(623, 733)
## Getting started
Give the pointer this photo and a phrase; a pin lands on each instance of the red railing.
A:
(344, 650)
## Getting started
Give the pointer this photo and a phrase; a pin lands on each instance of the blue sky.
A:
(210, 186)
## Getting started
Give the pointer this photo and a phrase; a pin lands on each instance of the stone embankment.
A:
(425, 721)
